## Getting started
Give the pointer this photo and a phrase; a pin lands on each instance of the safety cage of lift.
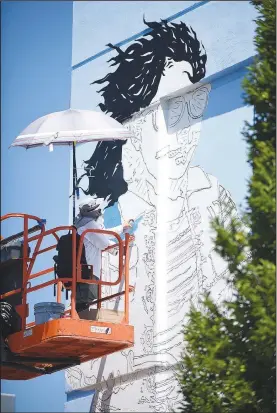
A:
(39, 349)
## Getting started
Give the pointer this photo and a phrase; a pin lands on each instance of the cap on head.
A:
(88, 205)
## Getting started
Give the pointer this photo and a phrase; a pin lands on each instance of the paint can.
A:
(48, 311)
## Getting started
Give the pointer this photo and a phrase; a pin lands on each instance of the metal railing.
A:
(76, 276)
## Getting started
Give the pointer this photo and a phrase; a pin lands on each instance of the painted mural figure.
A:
(178, 208)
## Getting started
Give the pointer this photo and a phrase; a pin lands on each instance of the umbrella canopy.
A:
(69, 127)
(72, 125)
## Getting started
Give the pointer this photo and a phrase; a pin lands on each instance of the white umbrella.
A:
(69, 127)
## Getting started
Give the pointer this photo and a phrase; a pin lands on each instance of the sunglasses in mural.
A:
(132, 87)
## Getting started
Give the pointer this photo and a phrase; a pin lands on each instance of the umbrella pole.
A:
(74, 181)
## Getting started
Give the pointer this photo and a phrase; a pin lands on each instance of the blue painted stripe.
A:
(140, 34)
(218, 78)
(78, 394)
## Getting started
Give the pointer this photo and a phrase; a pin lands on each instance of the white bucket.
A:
(48, 311)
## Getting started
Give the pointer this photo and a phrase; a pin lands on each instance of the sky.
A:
(36, 43)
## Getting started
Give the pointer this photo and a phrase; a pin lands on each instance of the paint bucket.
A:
(48, 311)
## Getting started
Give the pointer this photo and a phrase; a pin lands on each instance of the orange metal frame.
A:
(62, 343)
(28, 263)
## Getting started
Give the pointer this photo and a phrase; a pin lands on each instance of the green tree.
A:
(228, 364)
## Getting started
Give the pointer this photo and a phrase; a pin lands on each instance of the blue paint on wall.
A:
(73, 395)
(112, 216)
(80, 403)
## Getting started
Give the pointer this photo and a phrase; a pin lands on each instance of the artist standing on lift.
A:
(91, 217)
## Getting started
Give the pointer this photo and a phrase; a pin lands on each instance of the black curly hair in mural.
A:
(105, 172)
(132, 87)
(136, 80)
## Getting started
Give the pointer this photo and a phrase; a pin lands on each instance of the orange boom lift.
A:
(64, 342)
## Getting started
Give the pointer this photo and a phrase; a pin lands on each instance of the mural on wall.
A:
(167, 134)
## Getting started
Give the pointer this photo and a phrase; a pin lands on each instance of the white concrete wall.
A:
(186, 165)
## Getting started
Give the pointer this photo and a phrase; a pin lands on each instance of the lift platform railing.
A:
(123, 270)
(28, 263)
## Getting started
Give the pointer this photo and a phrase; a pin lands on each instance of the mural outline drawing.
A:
(166, 133)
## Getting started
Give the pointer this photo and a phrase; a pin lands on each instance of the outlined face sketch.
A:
(130, 87)
(183, 116)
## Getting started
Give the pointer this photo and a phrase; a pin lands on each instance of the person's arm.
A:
(101, 241)
(120, 228)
